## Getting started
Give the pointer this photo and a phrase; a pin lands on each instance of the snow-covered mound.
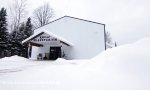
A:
(122, 68)
(13, 58)
(131, 57)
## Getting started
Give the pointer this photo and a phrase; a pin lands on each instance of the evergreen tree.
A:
(17, 37)
(27, 33)
(20, 33)
(25, 30)
(28, 29)
(14, 43)
(21, 36)
(3, 33)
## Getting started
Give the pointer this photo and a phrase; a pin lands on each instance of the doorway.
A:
(55, 52)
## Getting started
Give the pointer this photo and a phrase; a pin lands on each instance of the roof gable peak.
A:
(72, 18)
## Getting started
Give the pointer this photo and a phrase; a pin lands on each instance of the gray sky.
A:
(126, 20)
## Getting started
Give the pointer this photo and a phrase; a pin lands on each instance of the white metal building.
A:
(69, 38)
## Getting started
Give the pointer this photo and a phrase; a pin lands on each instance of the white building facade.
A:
(69, 38)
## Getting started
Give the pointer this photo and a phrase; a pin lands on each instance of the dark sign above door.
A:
(44, 38)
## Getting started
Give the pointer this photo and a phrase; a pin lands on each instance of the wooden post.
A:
(29, 50)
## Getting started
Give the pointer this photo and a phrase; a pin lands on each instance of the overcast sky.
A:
(126, 20)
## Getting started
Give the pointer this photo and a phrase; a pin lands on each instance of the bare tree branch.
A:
(18, 13)
(42, 15)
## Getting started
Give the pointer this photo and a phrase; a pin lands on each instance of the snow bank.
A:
(14, 64)
(123, 68)
(13, 58)
(128, 57)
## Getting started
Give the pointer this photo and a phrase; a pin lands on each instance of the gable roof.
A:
(73, 18)
(62, 40)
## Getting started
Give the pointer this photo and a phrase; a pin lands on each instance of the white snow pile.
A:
(13, 64)
(122, 68)
(14, 58)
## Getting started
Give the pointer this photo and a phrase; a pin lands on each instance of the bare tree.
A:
(42, 15)
(109, 42)
(18, 14)
(108, 38)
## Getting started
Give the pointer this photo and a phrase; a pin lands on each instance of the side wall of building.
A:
(87, 37)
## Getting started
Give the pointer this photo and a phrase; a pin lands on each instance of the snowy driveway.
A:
(17, 64)
(40, 75)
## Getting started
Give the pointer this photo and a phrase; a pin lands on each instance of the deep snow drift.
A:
(122, 68)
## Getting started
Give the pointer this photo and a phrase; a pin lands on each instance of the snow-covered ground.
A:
(122, 68)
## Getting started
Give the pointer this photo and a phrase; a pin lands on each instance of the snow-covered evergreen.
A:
(25, 30)
(27, 33)
(3, 33)
(28, 28)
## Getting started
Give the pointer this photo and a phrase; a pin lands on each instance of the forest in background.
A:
(16, 27)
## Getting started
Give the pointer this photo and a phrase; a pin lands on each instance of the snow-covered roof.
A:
(49, 33)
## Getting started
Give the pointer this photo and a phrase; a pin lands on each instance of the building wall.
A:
(87, 38)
